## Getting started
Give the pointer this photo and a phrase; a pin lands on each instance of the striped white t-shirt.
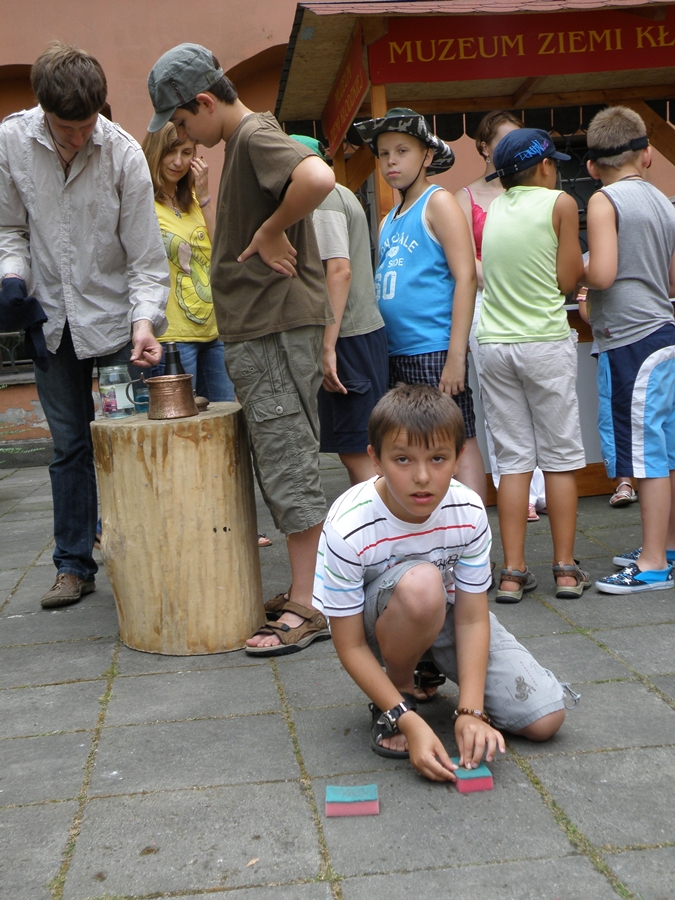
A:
(361, 539)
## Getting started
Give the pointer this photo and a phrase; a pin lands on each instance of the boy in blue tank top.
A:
(631, 274)
(531, 260)
(426, 276)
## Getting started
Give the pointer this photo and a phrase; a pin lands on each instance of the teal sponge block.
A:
(357, 794)
(471, 780)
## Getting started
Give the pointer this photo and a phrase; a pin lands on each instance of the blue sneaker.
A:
(630, 556)
(631, 581)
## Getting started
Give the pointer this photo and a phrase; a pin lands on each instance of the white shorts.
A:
(529, 395)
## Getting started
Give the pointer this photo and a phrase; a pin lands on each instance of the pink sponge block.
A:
(360, 800)
(470, 780)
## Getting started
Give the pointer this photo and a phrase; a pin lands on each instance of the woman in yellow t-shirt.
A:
(186, 219)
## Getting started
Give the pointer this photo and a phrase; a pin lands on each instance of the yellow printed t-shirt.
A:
(189, 308)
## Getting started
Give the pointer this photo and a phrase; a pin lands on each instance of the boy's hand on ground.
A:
(331, 382)
(476, 738)
(274, 249)
(452, 377)
(427, 754)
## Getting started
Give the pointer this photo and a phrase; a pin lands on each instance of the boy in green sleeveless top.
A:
(531, 260)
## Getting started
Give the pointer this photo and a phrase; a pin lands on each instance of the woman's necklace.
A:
(176, 211)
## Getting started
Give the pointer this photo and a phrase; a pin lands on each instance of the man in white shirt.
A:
(78, 227)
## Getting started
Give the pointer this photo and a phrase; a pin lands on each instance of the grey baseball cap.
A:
(177, 77)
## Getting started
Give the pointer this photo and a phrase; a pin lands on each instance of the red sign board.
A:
(463, 48)
(347, 94)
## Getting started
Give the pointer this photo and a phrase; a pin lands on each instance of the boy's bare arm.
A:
(338, 281)
(472, 636)
(569, 264)
(464, 201)
(427, 754)
(311, 181)
(603, 245)
(448, 223)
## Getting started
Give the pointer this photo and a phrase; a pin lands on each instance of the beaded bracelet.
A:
(477, 713)
(205, 203)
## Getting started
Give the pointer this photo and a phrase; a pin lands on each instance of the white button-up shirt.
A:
(89, 246)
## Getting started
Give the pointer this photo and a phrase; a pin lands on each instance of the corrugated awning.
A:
(463, 7)
(322, 31)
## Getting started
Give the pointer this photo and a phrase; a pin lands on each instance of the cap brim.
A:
(160, 119)
(563, 157)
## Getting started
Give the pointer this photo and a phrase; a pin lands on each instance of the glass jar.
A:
(112, 386)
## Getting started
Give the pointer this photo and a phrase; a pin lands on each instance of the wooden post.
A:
(339, 167)
(383, 192)
(180, 542)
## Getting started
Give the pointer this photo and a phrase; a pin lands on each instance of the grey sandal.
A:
(569, 592)
(525, 579)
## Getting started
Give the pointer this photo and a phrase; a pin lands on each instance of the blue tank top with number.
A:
(413, 283)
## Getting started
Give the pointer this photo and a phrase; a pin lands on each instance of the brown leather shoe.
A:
(67, 589)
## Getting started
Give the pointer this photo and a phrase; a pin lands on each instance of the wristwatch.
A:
(389, 719)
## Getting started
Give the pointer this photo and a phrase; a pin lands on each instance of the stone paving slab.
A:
(648, 649)
(571, 878)
(609, 610)
(194, 840)
(567, 655)
(32, 840)
(423, 824)
(71, 623)
(55, 663)
(312, 683)
(136, 662)
(180, 755)
(650, 874)
(191, 695)
(43, 768)
(529, 618)
(609, 716)
(61, 707)
(321, 891)
(620, 799)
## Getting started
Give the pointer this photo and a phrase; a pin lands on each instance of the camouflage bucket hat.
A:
(408, 122)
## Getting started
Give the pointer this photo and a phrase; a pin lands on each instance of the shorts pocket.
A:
(275, 407)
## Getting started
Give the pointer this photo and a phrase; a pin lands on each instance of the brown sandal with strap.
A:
(313, 628)
(525, 579)
(275, 605)
(568, 591)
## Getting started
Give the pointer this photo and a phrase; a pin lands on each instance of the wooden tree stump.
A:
(180, 540)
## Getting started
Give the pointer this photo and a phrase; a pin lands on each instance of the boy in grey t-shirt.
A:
(631, 274)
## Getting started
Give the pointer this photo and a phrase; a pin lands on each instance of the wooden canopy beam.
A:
(577, 98)
(525, 91)
(661, 135)
(359, 166)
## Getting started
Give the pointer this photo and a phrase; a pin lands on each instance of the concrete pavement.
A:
(130, 775)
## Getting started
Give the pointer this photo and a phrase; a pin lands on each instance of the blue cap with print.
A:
(523, 149)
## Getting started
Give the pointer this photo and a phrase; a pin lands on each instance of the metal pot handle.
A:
(140, 380)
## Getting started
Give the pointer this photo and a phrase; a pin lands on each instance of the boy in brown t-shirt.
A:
(271, 305)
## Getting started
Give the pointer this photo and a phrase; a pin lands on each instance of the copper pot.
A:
(171, 397)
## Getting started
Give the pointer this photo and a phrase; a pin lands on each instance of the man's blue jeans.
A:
(66, 398)
(205, 361)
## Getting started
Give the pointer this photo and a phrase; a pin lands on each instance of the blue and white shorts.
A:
(636, 412)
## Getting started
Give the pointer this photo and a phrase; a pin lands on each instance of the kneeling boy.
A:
(402, 572)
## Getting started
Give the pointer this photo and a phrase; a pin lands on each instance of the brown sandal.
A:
(275, 605)
(313, 628)
(567, 591)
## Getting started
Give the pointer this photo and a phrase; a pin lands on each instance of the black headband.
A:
(605, 152)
